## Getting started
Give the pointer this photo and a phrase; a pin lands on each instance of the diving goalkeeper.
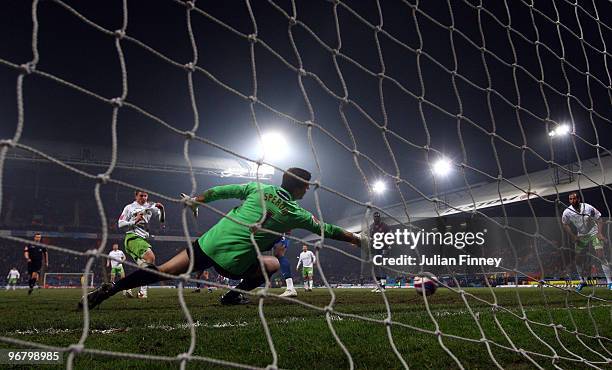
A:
(227, 245)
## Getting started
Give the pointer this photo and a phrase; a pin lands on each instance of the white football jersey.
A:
(307, 259)
(584, 221)
(13, 274)
(129, 215)
(116, 258)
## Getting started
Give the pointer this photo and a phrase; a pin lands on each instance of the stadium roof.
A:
(590, 173)
(139, 159)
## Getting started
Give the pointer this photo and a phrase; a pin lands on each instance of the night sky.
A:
(77, 52)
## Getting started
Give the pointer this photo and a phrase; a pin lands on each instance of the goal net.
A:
(466, 125)
(68, 280)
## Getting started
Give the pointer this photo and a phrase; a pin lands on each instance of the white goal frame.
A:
(89, 274)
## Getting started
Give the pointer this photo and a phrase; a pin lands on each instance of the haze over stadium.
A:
(459, 117)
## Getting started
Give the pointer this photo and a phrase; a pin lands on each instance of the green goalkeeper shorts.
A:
(584, 241)
(307, 272)
(136, 247)
(12, 281)
(117, 270)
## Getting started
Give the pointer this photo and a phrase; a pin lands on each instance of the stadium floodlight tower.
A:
(442, 169)
(562, 173)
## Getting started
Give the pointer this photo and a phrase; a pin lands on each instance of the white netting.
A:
(516, 17)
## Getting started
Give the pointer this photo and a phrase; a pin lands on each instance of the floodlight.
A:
(561, 130)
(272, 146)
(379, 187)
(442, 167)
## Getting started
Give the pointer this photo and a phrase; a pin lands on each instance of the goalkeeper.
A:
(227, 245)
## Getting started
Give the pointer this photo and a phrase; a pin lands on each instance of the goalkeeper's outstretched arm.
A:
(232, 191)
(303, 219)
(350, 237)
(309, 222)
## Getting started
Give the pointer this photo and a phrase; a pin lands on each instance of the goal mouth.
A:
(68, 280)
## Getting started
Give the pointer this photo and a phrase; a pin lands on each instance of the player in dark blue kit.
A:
(35, 257)
(280, 248)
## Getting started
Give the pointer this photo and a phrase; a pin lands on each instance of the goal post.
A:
(68, 279)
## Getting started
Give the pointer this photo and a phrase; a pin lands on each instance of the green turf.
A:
(156, 326)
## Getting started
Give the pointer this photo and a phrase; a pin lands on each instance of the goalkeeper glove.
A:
(364, 240)
(191, 203)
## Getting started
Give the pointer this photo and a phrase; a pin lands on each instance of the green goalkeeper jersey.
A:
(229, 244)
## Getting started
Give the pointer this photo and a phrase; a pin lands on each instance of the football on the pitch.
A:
(425, 284)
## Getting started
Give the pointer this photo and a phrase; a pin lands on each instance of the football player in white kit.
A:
(116, 264)
(307, 260)
(135, 218)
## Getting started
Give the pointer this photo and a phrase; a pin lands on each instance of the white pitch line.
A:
(228, 324)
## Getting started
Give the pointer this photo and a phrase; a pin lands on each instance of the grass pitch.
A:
(302, 339)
